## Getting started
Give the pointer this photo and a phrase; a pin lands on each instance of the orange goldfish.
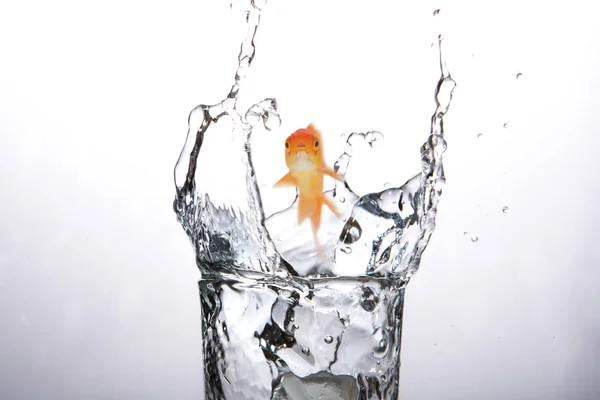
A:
(304, 158)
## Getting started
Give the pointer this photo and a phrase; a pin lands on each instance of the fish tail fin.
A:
(306, 207)
(315, 220)
(287, 180)
(319, 248)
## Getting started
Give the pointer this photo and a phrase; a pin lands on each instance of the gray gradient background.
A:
(98, 296)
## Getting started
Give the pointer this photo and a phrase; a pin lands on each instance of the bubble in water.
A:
(328, 339)
(436, 12)
(351, 232)
(505, 209)
(505, 125)
(346, 249)
(369, 300)
(474, 239)
(306, 351)
(519, 75)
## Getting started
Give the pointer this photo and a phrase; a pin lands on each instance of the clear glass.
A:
(336, 338)
(303, 302)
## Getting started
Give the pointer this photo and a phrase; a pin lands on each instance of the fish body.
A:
(307, 168)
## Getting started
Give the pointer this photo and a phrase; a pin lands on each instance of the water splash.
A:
(217, 200)
(219, 206)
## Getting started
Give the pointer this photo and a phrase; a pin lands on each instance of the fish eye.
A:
(287, 145)
(317, 143)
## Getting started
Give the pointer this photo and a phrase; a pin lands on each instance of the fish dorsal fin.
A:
(311, 128)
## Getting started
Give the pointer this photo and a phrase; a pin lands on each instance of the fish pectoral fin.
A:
(287, 180)
(330, 205)
(331, 173)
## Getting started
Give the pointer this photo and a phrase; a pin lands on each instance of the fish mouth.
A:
(302, 161)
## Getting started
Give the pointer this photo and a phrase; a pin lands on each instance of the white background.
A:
(98, 293)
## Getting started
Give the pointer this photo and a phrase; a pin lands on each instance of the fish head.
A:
(304, 150)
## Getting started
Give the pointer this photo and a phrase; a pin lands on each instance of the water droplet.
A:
(435, 345)
(342, 199)
(479, 135)
(499, 337)
(383, 343)
(505, 209)
(306, 351)
(553, 337)
(328, 339)
(505, 125)
(436, 12)
(519, 75)
(346, 249)
(465, 233)
(474, 239)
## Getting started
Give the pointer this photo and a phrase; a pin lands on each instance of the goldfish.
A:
(307, 168)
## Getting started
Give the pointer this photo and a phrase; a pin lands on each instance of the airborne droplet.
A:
(505, 125)
(474, 239)
(519, 75)
(505, 210)
(328, 339)
(436, 12)
(306, 351)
